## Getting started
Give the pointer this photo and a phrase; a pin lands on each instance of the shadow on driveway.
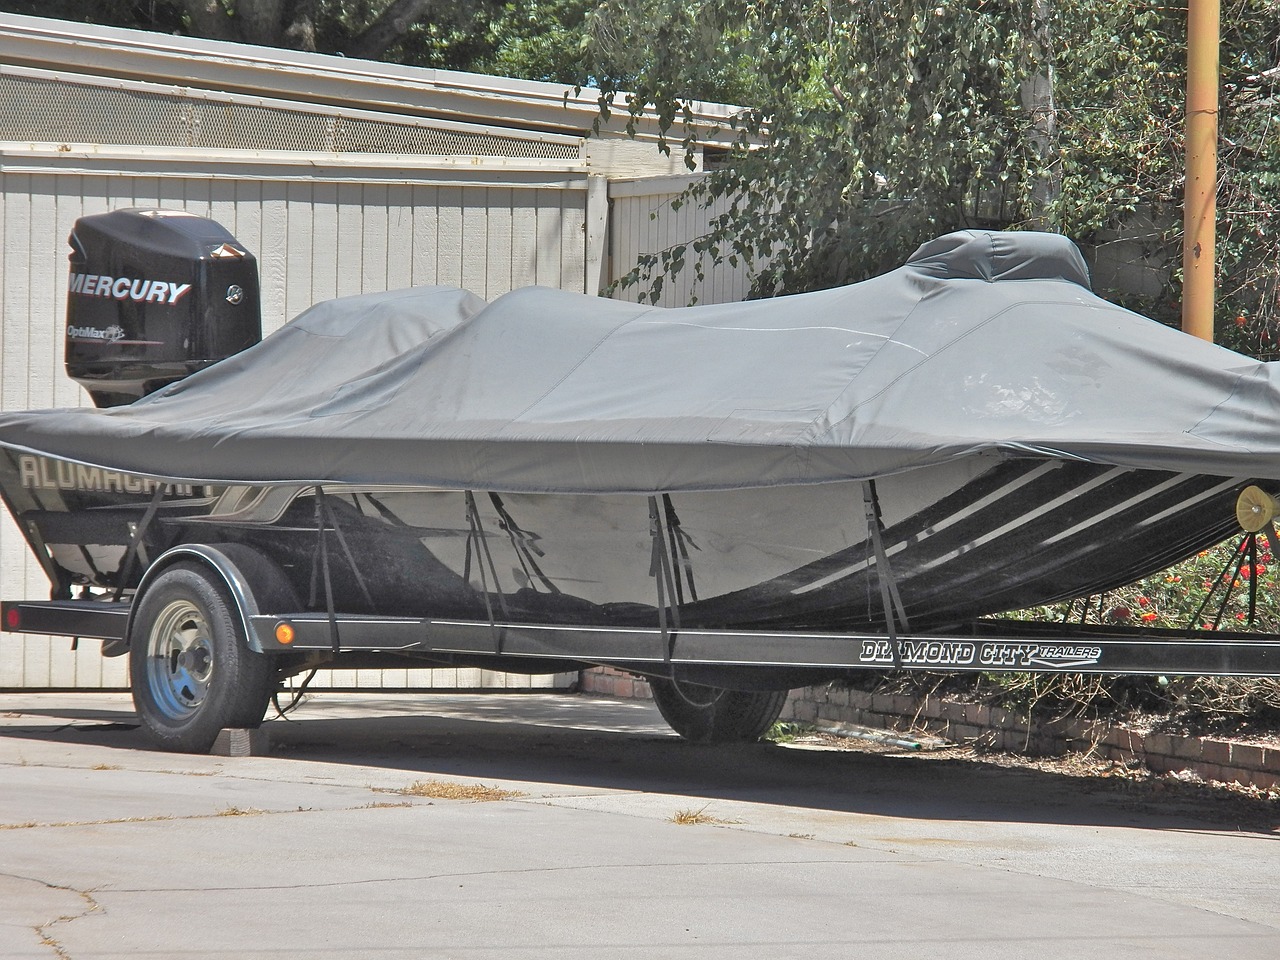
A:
(595, 743)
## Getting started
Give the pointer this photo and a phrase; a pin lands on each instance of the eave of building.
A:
(327, 79)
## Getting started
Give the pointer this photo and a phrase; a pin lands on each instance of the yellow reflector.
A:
(1254, 509)
(284, 633)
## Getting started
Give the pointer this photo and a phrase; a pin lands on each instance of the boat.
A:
(974, 432)
(962, 540)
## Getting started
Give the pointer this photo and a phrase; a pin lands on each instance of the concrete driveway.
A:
(607, 836)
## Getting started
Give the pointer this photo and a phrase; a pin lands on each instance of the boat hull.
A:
(974, 536)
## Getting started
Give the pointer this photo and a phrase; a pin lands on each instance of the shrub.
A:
(1231, 587)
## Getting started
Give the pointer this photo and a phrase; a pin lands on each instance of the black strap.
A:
(335, 641)
(660, 570)
(331, 520)
(483, 556)
(135, 542)
(524, 544)
(680, 543)
(890, 599)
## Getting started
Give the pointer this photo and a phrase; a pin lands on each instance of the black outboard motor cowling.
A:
(154, 295)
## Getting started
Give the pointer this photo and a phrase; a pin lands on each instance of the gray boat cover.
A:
(981, 343)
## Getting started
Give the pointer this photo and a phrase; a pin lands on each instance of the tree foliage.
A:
(887, 122)
(536, 39)
(533, 40)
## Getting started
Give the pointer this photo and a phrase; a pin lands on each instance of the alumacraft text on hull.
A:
(730, 500)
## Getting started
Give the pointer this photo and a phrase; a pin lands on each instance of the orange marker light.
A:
(284, 633)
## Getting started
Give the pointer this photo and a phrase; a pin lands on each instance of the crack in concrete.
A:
(231, 811)
(475, 874)
(45, 930)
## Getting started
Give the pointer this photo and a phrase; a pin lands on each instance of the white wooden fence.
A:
(342, 177)
(315, 239)
(317, 234)
(643, 220)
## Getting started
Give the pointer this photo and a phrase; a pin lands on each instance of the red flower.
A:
(1241, 320)
(1143, 601)
(1240, 615)
(1150, 616)
(1260, 569)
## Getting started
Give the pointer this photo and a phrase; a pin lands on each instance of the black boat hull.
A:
(971, 537)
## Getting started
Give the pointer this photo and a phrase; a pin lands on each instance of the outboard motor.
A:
(155, 295)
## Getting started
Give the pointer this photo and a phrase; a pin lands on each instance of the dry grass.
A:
(700, 816)
(450, 790)
(105, 766)
(159, 818)
(30, 824)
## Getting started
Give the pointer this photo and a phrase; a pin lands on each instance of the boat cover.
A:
(981, 343)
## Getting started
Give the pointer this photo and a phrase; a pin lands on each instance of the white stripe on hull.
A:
(967, 511)
(1119, 508)
(1196, 499)
(1026, 518)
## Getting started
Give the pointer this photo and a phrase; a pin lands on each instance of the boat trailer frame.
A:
(671, 649)
(984, 645)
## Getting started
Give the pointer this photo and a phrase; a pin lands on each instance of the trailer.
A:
(553, 482)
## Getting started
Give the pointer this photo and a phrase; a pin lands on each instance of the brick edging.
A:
(613, 683)
(1222, 760)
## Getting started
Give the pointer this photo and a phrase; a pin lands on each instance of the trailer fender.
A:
(254, 582)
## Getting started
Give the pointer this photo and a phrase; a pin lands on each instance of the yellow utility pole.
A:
(1199, 210)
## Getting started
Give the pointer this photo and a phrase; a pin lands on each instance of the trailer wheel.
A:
(191, 671)
(716, 715)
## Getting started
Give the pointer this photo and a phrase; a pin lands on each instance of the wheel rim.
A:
(179, 660)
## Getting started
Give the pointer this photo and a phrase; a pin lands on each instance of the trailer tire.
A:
(191, 670)
(715, 715)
